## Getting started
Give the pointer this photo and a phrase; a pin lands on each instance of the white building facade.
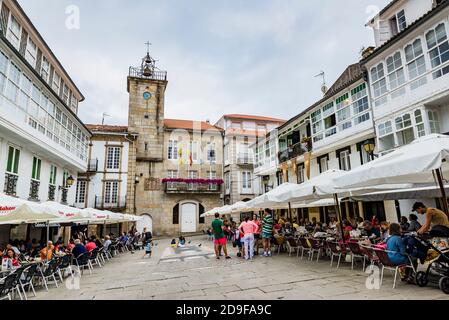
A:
(409, 74)
(43, 143)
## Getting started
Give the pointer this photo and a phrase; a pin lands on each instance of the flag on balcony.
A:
(180, 156)
(190, 159)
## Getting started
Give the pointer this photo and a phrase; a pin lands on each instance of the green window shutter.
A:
(9, 165)
(16, 161)
(38, 169)
(33, 172)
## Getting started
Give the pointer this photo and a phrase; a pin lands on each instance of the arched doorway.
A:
(188, 217)
(145, 222)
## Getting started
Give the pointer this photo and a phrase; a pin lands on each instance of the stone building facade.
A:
(174, 166)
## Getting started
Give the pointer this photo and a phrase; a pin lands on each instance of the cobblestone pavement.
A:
(194, 273)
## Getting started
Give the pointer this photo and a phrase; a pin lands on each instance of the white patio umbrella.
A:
(18, 211)
(66, 213)
(240, 207)
(413, 163)
(210, 212)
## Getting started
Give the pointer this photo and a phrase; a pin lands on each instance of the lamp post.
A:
(369, 146)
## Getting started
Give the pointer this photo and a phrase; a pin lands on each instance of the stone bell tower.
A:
(146, 87)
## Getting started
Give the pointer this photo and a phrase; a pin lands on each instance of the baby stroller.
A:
(438, 269)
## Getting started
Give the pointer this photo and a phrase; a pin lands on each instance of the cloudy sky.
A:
(255, 56)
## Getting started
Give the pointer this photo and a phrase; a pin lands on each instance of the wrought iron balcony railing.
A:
(34, 190)
(64, 193)
(138, 72)
(294, 151)
(11, 184)
(51, 193)
(183, 187)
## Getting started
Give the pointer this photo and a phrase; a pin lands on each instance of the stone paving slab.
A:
(193, 274)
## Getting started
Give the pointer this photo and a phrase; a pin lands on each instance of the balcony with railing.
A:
(34, 190)
(113, 205)
(204, 186)
(245, 159)
(295, 151)
(92, 165)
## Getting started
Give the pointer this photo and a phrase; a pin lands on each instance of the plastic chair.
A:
(94, 257)
(65, 263)
(317, 247)
(82, 261)
(387, 264)
(47, 273)
(336, 251)
(9, 286)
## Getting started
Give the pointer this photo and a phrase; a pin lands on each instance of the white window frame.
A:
(111, 193)
(395, 70)
(172, 152)
(31, 52)
(416, 61)
(246, 182)
(81, 186)
(378, 80)
(113, 155)
(345, 160)
(14, 31)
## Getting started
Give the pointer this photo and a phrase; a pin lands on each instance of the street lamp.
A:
(369, 147)
(70, 181)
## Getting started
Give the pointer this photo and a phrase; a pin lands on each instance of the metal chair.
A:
(82, 261)
(387, 264)
(317, 247)
(356, 253)
(304, 246)
(47, 273)
(335, 251)
(65, 264)
(27, 280)
(292, 246)
(94, 257)
(9, 286)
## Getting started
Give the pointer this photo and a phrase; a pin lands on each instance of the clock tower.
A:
(146, 86)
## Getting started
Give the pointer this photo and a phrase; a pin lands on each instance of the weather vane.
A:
(148, 44)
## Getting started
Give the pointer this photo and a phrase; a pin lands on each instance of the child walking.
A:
(147, 248)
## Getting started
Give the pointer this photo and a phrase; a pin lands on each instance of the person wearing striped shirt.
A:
(267, 232)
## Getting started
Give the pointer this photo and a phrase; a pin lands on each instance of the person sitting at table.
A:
(318, 227)
(384, 231)
(360, 223)
(46, 254)
(396, 250)
(10, 245)
(332, 223)
(414, 225)
(78, 249)
(12, 257)
(369, 231)
(404, 223)
(287, 230)
(347, 228)
(107, 242)
(295, 225)
(91, 245)
(277, 226)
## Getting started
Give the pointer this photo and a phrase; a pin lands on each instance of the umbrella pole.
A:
(48, 231)
(443, 192)
(337, 208)
(290, 211)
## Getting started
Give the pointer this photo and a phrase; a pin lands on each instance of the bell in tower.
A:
(148, 63)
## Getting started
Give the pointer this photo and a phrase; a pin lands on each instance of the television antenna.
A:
(323, 86)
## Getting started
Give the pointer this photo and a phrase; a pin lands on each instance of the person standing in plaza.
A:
(248, 228)
(220, 238)
(267, 232)
(257, 221)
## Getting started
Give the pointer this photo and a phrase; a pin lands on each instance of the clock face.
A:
(147, 95)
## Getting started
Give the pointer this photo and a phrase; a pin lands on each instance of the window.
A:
(434, 122)
(236, 125)
(316, 116)
(402, 23)
(4, 61)
(12, 166)
(65, 94)
(414, 57)
(343, 114)
(246, 181)
(211, 157)
(358, 92)
(317, 127)
(328, 109)
(13, 33)
(330, 121)
(36, 172)
(12, 86)
(405, 133)
(395, 70)
(300, 172)
(80, 191)
(172, 174)
(322, 162)
(113, 158)
(212, 175)
(378, 79)
(342, 101)
(344, 159)
(53, 173)
(194, 150)
(227, 181)
(74, 104)
(403, 122)
(172, 150)
(45, 69)
(193, 175)
(360, 105)
(362, 118)
(176, 214)
(261, 128)
(419, 123)
(111, 192)
(56, 83)
(438, 45)
(31, 53)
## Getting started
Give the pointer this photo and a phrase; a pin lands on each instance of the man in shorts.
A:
(267, 232)
(220, 238)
